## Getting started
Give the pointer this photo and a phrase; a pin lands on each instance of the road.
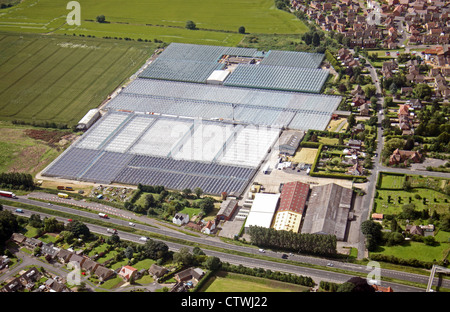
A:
(315, 273)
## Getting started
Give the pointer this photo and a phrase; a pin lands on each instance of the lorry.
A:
(63, 195)
(103, 215)
(112, 231)
(69, 188)
(7, 194)
(60, 187)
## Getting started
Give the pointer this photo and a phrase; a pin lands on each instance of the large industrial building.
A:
(200, 116)
(328, 210)
(262, 211)
(292, 205)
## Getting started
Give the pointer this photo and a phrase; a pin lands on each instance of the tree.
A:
(316, 39)
(78, 229)
(8, 225)
(187, 192)
(155, 249)
(101, 19)
(129, 252)
(149, 201)
(207, 205)
(369, 91)
(372, 232)
(351, 121)
(52, 225)
(307, 38)
(183, 256)
(422, 91)
(213, 263)
(191, 25)
(242, 30)
(198, 192)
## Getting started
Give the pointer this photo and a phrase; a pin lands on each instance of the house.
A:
(414, 230)
(50, 250)
(30, 277)
(401, 156)
(416, 104)
(209, 227)
(157, 271)
(364, 110)
(127, 272)
(355, 144)
(89, 265)
(52, 285)
(356, 170)
(18, 238)
(32, 243)
(64, 255)
(77, 260)
(103, 273)
(191, 274)
(4, 261)
(13, 286)
(180, 218)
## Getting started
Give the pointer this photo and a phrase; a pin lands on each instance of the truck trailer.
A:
(7, 194)
(103, 215)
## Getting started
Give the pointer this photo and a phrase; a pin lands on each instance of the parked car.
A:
(284, 256)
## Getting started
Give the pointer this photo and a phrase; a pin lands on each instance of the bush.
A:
(191, 25)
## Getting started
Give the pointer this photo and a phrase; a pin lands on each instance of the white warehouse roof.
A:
(218, 77)
(263, 210)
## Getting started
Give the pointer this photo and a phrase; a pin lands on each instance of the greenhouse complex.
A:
(200, 116)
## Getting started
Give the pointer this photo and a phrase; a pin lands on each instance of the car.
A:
(19, 210)
(262, 250)
(131, 224)
(143, 238)
(330, 264)
(284, 256)
(70, 220)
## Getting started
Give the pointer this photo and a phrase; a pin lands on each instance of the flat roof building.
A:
(289, 142)
(292, 204)
(328, 210)
(263, 210)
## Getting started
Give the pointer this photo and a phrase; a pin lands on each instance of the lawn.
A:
(392, 181)
(59, 78)
(415, 250)
(305, 155)
(218, 21)
(232, 282)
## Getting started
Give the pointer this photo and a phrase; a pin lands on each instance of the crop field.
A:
(59, 78)
(217, 21)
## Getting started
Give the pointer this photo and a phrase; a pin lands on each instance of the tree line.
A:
(317, 244)
(17, 180)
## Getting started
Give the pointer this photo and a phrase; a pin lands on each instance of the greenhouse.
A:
(159, 150)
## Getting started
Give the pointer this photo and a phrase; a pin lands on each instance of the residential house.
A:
(191, 274)
(356, 170)
(89, 265)
(52, 285)
(127, 272)
(103, 273)
(414, 230)
(355, 144)
(401, 156)
(364, 109)
(64, 255)
(157, 271)
(4, 261)
(180, 218)
(209, 227)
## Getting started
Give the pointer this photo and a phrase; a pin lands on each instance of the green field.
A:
(218, 21)
(59, 78)
(232, 282)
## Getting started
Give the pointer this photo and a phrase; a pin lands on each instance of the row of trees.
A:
(17, 180)
(269, 274)
(317, 244)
